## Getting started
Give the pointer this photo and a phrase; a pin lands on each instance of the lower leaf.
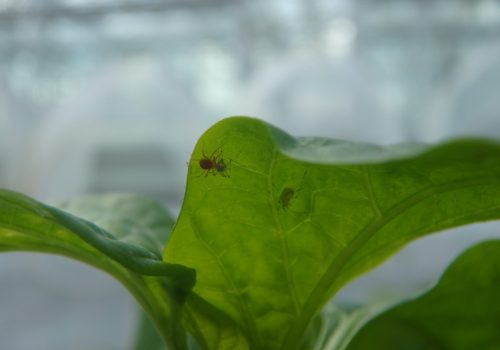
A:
(28, 225)
(461, 312)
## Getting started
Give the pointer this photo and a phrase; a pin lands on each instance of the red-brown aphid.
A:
(214, 163)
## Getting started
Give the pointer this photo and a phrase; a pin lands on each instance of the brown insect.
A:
(214, 164)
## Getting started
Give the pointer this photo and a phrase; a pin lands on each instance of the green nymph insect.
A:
(285, 197)
(287, 194)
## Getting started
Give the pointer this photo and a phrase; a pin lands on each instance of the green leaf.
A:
(339, 326)
(147, 337)
(274, 225)
(202, 318)
(461, 312)
(129, 253)
(132, 219)
(134, 245)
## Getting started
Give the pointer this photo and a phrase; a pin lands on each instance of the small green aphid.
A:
(286, 197)
(287, 194)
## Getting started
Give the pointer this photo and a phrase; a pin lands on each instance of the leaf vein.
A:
(292, 288)
(335, 268)
(371, 192)
(235, 290)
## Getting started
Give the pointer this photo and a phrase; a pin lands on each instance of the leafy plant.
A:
(271, 227)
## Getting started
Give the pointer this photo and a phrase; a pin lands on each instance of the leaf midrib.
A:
(292, 289)
(243, 306)
(295, 333)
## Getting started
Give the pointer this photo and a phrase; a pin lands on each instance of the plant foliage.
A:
(271, 227)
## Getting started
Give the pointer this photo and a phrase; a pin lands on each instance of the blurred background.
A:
(111, 95)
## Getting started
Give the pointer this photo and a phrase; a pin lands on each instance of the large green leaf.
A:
(132, 219)
(274, 225)
(461, 312)
(129, 254)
